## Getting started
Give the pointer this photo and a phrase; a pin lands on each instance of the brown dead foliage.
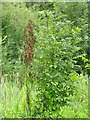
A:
(27, 55)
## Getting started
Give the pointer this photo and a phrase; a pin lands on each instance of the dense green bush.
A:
(55, 50)
(15, 17)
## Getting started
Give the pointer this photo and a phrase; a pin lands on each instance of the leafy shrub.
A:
(53, 62)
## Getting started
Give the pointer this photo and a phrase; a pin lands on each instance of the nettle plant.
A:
(53, 61)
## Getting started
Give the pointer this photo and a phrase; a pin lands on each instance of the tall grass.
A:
(13, 103)
(13, 100)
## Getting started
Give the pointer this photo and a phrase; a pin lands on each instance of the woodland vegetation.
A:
(45, 60)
